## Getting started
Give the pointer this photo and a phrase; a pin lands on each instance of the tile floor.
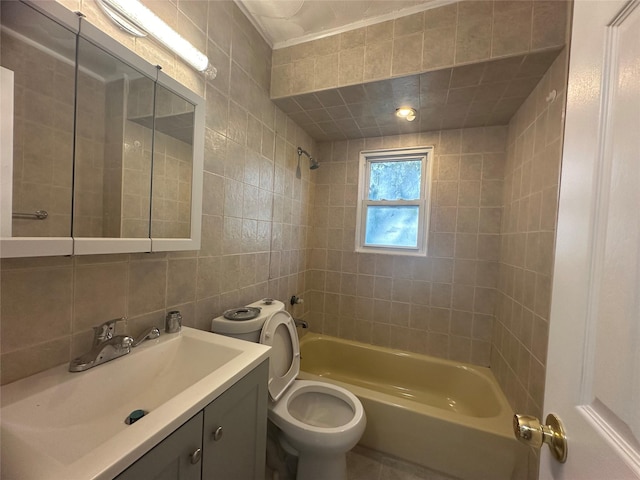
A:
(366, 464)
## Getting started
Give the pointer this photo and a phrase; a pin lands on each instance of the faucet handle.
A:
(173, 322)
(105, 331)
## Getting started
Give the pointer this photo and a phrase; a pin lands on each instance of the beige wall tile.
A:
(282, 80)
(377, 60)
(351, 66)
(100, 293)
(549, 23)
(36, 305)
(473, 40)
(181, 282)
(33, 359)
(147, 286)
(408, 24)
(407, 52)
(511, 28)
(438, 48)
(326, 71)
(352, 39)
(379, 32)
(303, 70)
(440, 17)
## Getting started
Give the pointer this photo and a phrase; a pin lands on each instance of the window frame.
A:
(367, 157)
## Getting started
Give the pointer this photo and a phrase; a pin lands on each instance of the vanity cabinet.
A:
(230, 432)
(175, 458)
(235, 430)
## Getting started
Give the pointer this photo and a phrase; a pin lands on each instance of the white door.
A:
(593, 366)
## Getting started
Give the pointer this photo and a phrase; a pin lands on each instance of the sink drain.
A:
(135, 416)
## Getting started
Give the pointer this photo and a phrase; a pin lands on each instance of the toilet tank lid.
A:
(234, 327)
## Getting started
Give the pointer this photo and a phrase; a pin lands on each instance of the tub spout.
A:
(300, 323)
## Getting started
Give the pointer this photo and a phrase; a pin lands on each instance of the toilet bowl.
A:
(319, 421)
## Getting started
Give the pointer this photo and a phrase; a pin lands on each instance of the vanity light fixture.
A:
(408, 113)
(138, 20)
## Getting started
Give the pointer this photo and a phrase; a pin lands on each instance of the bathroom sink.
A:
(58, 424)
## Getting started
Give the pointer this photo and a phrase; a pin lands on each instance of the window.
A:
(393, 201)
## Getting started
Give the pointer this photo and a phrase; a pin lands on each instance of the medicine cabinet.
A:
(101, 152)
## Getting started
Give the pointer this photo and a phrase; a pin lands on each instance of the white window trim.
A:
(367, 156)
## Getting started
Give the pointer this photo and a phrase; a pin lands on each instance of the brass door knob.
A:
(529, 430)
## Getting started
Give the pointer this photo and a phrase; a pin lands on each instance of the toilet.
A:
(317, 421)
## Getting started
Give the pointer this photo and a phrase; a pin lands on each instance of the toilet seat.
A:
(279, 332)
(308, 421)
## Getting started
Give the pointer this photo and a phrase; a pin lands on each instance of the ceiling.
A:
(288, 22)
(481, 94)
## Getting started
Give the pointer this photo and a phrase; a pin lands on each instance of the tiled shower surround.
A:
(530, 202)
(482, 293)
(442, 304)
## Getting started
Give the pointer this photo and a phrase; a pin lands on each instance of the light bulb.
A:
(407, 113)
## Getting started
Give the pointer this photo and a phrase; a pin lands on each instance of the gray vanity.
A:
(204, 396)
(225, 440)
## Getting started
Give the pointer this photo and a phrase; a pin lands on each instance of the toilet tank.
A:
(247, 329)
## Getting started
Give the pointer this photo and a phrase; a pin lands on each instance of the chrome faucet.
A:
(300, 323)
(106, 346)
(149, 334)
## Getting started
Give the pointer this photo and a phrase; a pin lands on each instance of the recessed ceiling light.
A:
(407, 113)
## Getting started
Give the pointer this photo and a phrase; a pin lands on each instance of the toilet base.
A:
(312, 466)
(306, 465)
(282, 460)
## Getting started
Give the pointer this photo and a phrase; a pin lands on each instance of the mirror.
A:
(112, 190)
(172, 165)
(102, 152)
(37, 174)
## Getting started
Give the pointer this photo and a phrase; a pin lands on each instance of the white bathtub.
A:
(444, 415)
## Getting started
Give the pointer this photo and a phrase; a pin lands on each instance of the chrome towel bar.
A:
(37, 215)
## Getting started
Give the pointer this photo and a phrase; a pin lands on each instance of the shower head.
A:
(314, 162)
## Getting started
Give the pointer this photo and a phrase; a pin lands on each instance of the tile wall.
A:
(455, 34)
(532, 171)
(50, 304)
(265, 232)
(441, 305)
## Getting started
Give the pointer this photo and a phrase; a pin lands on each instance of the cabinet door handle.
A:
(195, 456)
(217, 434)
